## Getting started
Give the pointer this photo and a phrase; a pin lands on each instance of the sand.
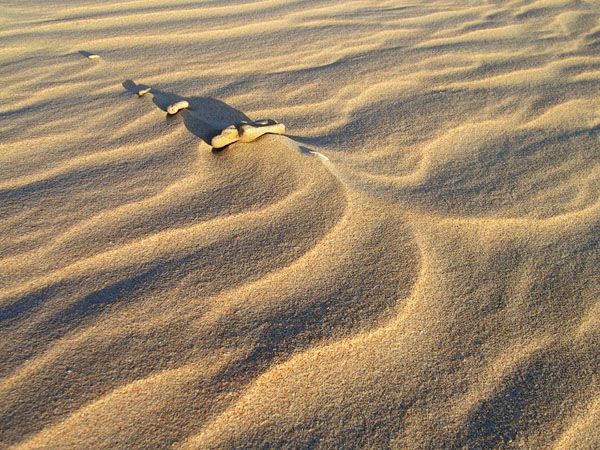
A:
(414, 265)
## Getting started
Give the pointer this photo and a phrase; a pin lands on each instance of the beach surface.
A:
(415, 264)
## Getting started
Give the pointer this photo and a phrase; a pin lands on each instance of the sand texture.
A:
(414, 265)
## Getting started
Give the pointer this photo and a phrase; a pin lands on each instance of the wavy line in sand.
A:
(469, 129)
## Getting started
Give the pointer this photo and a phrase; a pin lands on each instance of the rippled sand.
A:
(431, 282)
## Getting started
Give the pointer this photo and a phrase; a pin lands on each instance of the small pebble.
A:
(228, 136)
(246, 132)
(143, 91)
(251, 132)
(176, 107)
(93, 56)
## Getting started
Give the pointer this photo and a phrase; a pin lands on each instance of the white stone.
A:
(228, 136)
(178, 106)
(251, 132)
(246, 132)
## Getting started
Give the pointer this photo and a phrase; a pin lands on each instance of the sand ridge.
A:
(415, 265)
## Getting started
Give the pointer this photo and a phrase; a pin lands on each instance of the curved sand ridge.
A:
(433, 284)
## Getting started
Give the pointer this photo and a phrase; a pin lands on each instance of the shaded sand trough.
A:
(434, 284)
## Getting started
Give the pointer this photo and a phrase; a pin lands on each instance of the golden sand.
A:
(416, 265)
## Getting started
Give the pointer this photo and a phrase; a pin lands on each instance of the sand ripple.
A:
(431, 283)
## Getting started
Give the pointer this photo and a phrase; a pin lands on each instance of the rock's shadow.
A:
(86, 53)
(206, 116)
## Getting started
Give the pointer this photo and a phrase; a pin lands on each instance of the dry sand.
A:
(434, 283)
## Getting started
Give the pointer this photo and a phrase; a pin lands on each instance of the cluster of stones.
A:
(247, 132)
(243, 132)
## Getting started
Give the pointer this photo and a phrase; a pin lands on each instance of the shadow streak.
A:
(86, 53)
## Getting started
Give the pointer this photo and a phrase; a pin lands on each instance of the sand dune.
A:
(415, 265)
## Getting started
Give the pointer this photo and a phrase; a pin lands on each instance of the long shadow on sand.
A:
(206, 116)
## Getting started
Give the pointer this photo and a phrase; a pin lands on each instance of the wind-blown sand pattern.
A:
(430, 281)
